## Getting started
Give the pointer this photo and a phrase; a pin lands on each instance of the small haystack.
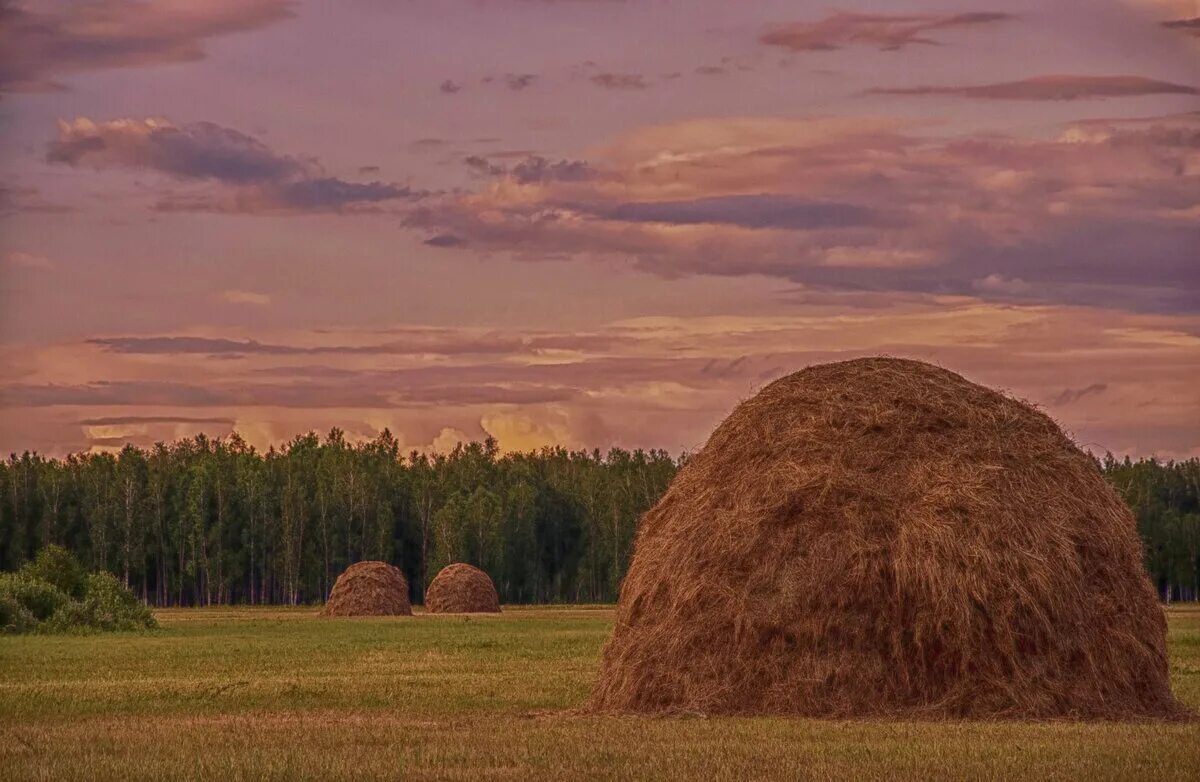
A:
(369, 589)
(881, 537)
(461, 589)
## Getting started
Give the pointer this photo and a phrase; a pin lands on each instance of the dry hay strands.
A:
(461, 589)
(369, 588)
(881, 537)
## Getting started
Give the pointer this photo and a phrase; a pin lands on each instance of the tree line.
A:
(209, 521)
(1165, 498)
(205, 521)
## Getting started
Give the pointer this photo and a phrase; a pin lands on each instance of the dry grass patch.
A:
(261, 694)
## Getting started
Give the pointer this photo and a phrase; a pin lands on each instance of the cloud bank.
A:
(43, 41)
(1103, 213)
(887, 32)
(248, 176)
(1054, 88)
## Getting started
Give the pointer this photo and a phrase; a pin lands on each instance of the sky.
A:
(588, 223)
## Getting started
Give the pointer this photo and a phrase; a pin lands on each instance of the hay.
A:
(369, 589)
(461, 589)
(881, 537)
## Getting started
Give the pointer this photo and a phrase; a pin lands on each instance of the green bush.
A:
(55, 565)
(14, 617)
(40, 598)
(54, 594)
(109, 605)
(73, 617)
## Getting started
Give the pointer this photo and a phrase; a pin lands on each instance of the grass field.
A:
(283, 694)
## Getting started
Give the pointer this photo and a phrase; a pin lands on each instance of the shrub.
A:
(109, 605)
(40, 598)
(55, 565)
(14, 617)
(73, 617)
(54, 594)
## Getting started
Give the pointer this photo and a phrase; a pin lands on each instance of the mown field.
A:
(283, 694)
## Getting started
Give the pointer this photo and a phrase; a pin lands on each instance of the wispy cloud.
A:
(253, 177)
(620, 81)
(759, 210)
(245, 297)
(445, 241)
(1009, 218)
(532, 169)
(1072, 395)
(162, 393)
(125, 420)
(26, 260)
(649, 381)
(41, 42)
(888, 32)
(1188, 26)
(519, 81)
(411, 342)
(27, 200)
(1058, 87)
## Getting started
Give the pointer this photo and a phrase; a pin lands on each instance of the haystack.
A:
(881, 537)
(369, 588)
(461, 589)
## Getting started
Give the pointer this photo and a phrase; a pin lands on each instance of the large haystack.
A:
(369, 589)
(461, 589)
(882, 537)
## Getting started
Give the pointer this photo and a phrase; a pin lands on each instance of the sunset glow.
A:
(591, 223)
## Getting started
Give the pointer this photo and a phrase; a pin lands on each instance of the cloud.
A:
(218, 346)
(760, 210)
(1188, 26)
(412, 342)
(643, 382)
(486, 394)
(519, 81)
(14, 200)
(145, 393)
(252, 177)
(445, 240)
(619, 81)
(40, 42)
(526, 431)
(202, 150)
(537, 169)
(27, 260)
(866, 205)
(427, 143)
(532, 169)
(883, 31)
(998, 283)
(245, 297)
(449, 438)
(123, 420)
(1053, 88)
(481, 166)
(1072, 395)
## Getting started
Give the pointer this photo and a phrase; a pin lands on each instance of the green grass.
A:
(283, 694)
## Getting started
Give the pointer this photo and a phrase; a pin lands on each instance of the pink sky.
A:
(588, 222)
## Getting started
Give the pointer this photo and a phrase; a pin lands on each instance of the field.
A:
(283, 694)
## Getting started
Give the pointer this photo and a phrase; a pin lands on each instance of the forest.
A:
(208, 521)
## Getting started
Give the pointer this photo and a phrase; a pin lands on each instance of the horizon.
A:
(591, 224)
(448, 448)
